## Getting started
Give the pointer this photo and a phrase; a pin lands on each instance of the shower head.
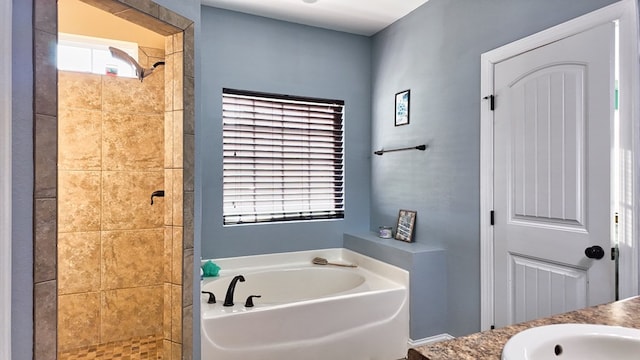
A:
(140, 71)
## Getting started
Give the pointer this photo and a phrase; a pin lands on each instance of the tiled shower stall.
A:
(113, 272)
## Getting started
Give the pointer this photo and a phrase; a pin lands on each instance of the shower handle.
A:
(158, 193)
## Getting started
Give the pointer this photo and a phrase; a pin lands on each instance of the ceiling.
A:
(363, 17)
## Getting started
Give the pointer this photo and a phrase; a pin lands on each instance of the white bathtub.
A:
(307, 311)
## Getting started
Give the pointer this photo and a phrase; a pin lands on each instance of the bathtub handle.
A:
(249, 302)
(212, 297)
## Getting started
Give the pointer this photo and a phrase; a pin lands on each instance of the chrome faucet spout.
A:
(228, 299)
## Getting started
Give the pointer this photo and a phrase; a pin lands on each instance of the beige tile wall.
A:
(173, 214)
(111, 243)
(46, 122)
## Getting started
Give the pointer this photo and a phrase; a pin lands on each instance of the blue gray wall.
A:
(254, 53)
(435, 52)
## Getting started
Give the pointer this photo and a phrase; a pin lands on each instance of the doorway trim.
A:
(626, 12)
(5, 180)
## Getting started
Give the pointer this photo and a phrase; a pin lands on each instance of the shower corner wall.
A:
(46, 196)
(174, 198)
(110, 239)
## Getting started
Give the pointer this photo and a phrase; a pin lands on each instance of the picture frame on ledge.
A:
(405, 226)
(402, 107)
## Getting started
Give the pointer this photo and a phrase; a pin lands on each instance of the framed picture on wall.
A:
(402, 107)
(406, 223)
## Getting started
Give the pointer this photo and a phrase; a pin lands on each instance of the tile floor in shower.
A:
(143, 348)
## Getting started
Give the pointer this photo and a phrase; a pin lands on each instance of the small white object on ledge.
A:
(385, 232)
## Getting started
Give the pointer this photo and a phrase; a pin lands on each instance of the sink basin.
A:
(574, 341)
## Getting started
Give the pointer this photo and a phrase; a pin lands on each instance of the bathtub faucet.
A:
(228, 300)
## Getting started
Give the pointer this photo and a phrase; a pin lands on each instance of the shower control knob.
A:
(594, 252)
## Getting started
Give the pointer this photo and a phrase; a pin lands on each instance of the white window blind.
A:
(283, 158)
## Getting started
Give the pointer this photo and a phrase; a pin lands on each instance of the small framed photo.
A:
(402, 107)
(406, 223)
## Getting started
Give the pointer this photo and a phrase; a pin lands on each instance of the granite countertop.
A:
(488, 344)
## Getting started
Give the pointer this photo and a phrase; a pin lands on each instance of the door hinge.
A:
(492, 102)
(615, 253)
(492, 217)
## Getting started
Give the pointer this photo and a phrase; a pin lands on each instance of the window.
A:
(91, 54)
(283, 158)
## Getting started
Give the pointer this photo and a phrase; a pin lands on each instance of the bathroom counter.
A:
(488, 344)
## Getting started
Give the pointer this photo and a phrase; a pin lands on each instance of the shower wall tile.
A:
(45, 211)
(131, 312)
(125, 95)
(187, 278)
(187, 333)
(168, 197)
(79, 90)
(80, 269)
(146, 21)
(177, 196)
(126, 147)
(188, 220)
(45, 71)
(153, 54)
(166, 351)
(168, 44)
(126, 200)
(45, 17)
(176, 351)
(189, 115)
(143, 58)
(176, 313)
(132, 258)
(168, 82)
(80, 134)
(155, 86)
(188, 51)
(45, 320)
(189, 88)
(148, 8)
(167, 315)
(110, 6)
(178, 81)
(178, 40)
(168, 139)
(189, 162)
(172, 18)
(46, 157)
(167, 268)
(176, 255)
(79, 320)
(178, 136)
(78, 201)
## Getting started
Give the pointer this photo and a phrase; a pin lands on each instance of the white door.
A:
(552, 177)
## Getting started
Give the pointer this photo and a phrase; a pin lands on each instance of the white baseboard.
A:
(429, 340)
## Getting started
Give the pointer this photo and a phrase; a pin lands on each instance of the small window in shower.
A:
(90, 54)
(283, 158)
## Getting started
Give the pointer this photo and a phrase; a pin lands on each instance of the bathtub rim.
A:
(278, 260)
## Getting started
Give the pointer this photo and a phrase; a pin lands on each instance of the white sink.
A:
(574, 341)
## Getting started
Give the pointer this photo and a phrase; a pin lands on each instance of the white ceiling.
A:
(364, 17)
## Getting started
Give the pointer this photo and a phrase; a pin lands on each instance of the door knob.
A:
(594, 252)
